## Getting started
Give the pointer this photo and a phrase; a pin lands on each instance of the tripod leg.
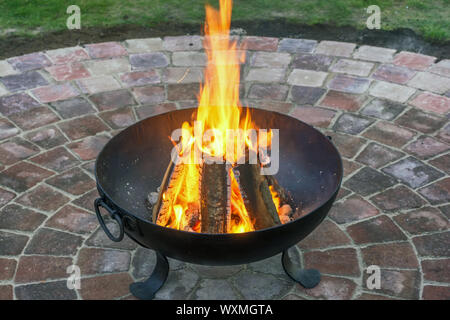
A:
(147, 289)
(308, 278)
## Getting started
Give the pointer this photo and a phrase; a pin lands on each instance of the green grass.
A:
(429, 18)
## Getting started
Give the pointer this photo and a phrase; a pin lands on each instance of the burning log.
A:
(193, 217)
(162, 188)
(284, 196)
(161, 212)
(260, 205)
(190, 217)
(264, 203)
(215, 193)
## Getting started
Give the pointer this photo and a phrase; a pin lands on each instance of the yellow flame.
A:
(275, 197)
(219, 110)
(243, 224)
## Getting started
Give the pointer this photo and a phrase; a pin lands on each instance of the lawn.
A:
(430, 18)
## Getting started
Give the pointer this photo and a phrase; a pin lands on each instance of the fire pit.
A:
(133, 163)
(217, 210)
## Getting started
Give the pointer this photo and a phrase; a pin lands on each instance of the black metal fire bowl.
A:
(134, 161)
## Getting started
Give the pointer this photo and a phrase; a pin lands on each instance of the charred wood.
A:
(258, 199)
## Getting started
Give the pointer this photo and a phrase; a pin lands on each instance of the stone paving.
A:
(387, 111)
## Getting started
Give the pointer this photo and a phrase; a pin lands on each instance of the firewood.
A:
(282, 193)
(228, 207)
(289, 209)
(213, 213)
(161, 213)
(164, 184)
(259, 201)
(214, 198)
(193, 216)
(162, 188)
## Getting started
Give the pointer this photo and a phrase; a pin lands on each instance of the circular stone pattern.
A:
(386, 111)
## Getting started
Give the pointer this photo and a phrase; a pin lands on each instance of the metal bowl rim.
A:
(224, 235)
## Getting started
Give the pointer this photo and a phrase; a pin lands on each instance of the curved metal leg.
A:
(308, 278)
(147, 289)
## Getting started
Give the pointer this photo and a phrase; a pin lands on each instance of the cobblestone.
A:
(413, 60)
(387, 114)
(376, 54)
(391, 91)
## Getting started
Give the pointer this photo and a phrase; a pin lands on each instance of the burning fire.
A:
(275, 197)
(238, 209)
(219, 110)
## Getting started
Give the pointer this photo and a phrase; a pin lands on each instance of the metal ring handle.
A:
(100, 203)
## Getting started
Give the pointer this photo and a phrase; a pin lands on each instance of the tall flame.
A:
(219, 107)
(219, 110)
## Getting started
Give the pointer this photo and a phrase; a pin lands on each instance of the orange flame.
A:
(219, 111)
(275, 197)
(243, 224)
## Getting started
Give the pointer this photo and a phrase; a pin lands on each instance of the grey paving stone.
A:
(23, 81)
(413, 172)
(260, 286)
(273, 264)
(383, 109)
(16, 103)
(178, 285)
(72, 107)
(268, 91)
(214, 289)
(30, 61)
(57, 290)
(12, 243)
(376, 155)
(144, 260)
(308, 61)
(47, 138)
(352, 124)
(368, 181)
(148, 60)
(48, 241)
(216, 272)
(296, 45)
(100, 239)
(349, 84)
(306, 95)
(397, 198)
